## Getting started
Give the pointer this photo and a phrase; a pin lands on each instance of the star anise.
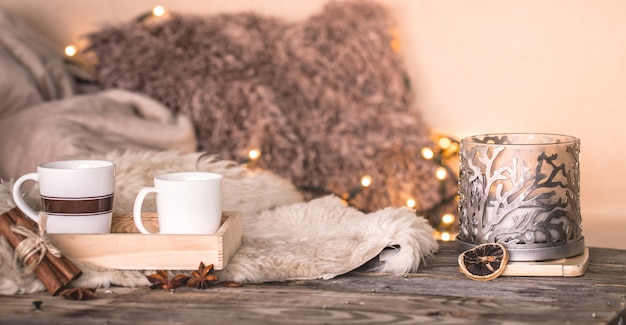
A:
(202, 278)
(161, 280)
(78, 293)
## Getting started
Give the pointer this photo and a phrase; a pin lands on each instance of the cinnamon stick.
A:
(44, 270)
(68, 270)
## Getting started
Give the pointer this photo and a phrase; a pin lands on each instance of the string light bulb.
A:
(411, 203)
(254, 154)
(447, 218)
(70, 50)
(250, 161)
(366, 180)
(444, 143)
(441, 173)
(158, 11)
(454, 147)
(428, 153)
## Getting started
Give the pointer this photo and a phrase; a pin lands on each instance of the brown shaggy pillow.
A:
(326, 100)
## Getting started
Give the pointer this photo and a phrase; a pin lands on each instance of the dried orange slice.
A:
(484, 262)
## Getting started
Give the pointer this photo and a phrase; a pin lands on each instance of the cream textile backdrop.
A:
(477, 66)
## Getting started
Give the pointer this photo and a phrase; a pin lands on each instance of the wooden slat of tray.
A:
(572, 266)
(127, 250)
(124, 223)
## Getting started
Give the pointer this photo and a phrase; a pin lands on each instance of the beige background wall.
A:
(555, 66)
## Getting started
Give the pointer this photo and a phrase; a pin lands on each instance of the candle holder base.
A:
(535, 254)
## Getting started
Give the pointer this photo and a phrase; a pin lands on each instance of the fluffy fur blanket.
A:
(326, 99)
(283, 236)
(46, 114)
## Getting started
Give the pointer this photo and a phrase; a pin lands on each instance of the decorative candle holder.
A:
(522, 191)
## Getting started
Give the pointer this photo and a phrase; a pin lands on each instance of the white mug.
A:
(187, 203)
(76, 195)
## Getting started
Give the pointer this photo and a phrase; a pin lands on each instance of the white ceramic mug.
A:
(187, 203)
(76, 195)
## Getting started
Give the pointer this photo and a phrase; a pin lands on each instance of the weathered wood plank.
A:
(437, 294)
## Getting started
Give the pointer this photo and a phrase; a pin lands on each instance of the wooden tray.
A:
(125, 249)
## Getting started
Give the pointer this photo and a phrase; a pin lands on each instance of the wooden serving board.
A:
(125, 249)
(571, 266)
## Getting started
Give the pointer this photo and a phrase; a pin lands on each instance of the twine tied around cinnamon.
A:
(34, 243)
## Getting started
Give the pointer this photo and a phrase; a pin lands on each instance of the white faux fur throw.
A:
(283, 237)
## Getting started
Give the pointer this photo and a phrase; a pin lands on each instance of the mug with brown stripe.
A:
(76, 195)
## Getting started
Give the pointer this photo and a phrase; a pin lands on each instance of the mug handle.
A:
(19, 199)
(137, 208)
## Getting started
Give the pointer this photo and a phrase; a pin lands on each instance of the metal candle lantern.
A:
(523, 191)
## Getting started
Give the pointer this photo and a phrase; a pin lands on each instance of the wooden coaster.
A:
(571, 266)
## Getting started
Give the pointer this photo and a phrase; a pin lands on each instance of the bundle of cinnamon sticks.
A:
(54, 272)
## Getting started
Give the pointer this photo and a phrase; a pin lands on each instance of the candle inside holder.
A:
(521, 190)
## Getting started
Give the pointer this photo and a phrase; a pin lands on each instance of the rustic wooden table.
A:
(437, 294)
